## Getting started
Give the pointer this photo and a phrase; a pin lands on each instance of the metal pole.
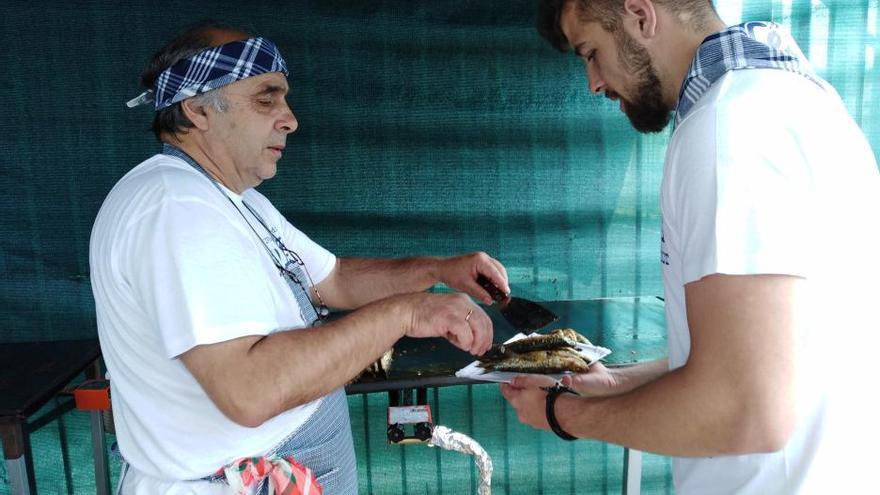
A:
(99, 452)
(632, 472)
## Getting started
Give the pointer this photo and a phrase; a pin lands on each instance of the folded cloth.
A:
(286, 476)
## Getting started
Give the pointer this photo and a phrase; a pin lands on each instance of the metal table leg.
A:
(18, 479)
(19, 465)
(99, 452)
(93, 395)
(632, 472)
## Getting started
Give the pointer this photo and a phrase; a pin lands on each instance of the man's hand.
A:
(598, 382)
(460, 273)
(451, 316)
(355, 282)
(527, 395)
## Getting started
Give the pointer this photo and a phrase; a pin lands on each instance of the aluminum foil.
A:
(447, 439)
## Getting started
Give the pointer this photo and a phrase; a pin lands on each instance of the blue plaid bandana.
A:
(753, 45)
(211, 69)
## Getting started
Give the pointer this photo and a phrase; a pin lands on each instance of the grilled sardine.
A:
(542, 361)
(563, 338)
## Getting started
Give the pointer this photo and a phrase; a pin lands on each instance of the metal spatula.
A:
(522, 314)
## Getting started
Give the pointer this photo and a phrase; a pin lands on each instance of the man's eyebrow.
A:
(271, 89)
(579, 49)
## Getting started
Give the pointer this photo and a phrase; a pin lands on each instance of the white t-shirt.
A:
(768, 174)
(174, 265)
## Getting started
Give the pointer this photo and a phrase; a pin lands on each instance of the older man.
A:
(769, 250)
(207, 298)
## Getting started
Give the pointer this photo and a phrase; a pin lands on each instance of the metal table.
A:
(633, 328)
(32, 373)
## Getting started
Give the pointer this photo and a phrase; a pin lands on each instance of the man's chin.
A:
(268, 171)
(649, 123)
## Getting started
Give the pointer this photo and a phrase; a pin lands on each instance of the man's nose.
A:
(595, 81)
(287, 123)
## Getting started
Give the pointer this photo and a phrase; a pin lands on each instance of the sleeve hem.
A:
(694, 275)
(219, 334)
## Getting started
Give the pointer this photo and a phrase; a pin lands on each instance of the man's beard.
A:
(646, 111)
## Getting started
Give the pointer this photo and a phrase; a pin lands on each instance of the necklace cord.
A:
(321, 310)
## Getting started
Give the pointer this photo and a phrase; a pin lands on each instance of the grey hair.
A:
(214, 99)
(171, 120)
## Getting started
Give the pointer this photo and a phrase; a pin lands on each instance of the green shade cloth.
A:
(426, 127)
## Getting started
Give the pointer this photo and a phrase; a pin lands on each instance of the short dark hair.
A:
(192, 40)
(608, 14)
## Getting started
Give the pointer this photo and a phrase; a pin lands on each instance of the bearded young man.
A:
(769, 251)
(207, 298)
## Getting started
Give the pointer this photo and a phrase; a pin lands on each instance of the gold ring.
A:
(470, 312)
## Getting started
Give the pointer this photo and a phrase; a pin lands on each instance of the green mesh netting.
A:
(426, 128)
(525, 461)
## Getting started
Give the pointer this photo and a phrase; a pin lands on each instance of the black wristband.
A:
(552, 393)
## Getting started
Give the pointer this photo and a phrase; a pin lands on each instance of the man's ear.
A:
(640, 18)
(195, 112)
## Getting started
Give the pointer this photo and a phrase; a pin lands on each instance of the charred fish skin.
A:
(495, 353)
(539, 368)
(542, 362)
(543, 342)
(557, 339)
(571, 334)
(555, 352)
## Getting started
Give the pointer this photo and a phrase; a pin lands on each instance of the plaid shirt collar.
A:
(753, 45)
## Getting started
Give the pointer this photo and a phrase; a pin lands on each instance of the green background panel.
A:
(425, 128)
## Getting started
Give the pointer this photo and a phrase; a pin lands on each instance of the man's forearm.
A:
(331, 355)
(732, 396)
(363, 280)
(252, 379)
(631, 377)
(678, 414)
